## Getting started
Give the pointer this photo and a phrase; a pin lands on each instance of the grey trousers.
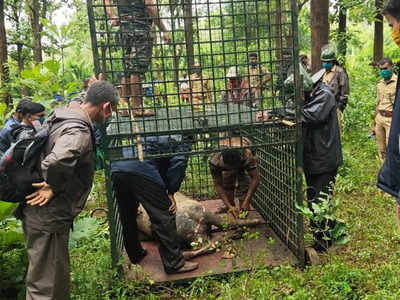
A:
(48, 272)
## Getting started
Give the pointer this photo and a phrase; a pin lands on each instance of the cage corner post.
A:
(299, 137)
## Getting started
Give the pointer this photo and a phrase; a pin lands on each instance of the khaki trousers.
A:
(339, 118)
(48, 272)
(382, 128)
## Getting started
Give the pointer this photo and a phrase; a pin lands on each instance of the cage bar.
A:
(213, 41)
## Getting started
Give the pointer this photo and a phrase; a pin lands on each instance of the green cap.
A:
(328, 52)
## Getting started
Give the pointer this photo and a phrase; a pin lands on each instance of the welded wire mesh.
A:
(236, 55)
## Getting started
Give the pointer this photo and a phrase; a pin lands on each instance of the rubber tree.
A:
(4, 73)
(319, 30)
(378, 32)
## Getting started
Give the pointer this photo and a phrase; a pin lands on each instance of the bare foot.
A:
(139, 112)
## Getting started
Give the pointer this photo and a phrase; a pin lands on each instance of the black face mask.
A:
(253, 64)
(197, 70)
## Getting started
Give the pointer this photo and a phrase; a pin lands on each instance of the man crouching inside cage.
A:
(235, 173)
(152, 183)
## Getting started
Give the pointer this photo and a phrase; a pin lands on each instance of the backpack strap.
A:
(57, 125)
(42, 136)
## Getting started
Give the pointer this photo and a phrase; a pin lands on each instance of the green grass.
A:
(366, 268)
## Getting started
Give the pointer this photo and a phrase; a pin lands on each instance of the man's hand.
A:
(372, 130)
(114, 21)
(234, 211)
(166, 37)
(172, 208)
(93, 79)
(43, 194)
(342, 103)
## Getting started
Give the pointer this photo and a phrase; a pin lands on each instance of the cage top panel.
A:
(193, 65)
(186, 118)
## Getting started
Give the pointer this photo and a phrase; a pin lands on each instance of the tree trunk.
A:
(342, 44)
(188, 21)
(36, 30)
(378, 33)
(20, 57)
(177, 58)
(38, 10)
(278, 31)
(319, 30)
(287, 32)
(21, 66)
(4, 74)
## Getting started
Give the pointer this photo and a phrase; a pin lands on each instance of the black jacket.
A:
(321, 136)
(389, 175)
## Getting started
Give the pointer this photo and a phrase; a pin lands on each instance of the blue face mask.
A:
(41, 120)
(327, 66)
(386, 74)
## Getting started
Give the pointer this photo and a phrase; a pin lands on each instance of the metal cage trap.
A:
(200, 72)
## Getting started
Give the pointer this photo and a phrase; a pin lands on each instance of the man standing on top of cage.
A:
(135, 20)
(235, 172)
(200, 87)
(258, 77)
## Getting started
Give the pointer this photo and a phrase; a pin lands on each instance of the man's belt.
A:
(386, 113)
(137, 18)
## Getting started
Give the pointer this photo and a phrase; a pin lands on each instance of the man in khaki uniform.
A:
(258, 76)
(200, 86)
(235, 173)
(386, 92)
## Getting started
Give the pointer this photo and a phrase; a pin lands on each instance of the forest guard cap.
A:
(328, 52)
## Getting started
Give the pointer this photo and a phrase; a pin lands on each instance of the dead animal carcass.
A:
(194, 223)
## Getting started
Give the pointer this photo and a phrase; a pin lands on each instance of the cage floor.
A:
(267, 250)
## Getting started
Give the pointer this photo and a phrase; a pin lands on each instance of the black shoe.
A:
(187, 267)
(140, 256)
(322, 246)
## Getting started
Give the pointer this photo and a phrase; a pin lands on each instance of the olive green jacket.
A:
(68, 167)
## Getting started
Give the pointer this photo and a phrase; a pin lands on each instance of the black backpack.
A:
(20, 166)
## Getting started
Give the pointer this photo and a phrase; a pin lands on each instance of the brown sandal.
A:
(123, 112)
